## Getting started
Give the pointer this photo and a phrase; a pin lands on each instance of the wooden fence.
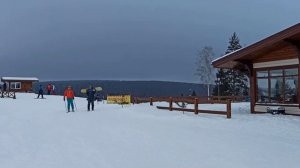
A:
(201, 99)
(189, 100)
(8, 94)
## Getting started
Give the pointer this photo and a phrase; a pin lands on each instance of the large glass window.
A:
(277, 85)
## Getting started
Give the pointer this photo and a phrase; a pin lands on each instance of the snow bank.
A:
(38, 133)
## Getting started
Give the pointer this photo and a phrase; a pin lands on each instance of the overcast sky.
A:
(128, 39)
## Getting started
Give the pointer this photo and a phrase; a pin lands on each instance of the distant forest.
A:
(134, 88)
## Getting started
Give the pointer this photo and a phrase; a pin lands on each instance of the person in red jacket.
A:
(49, 88)
(69, 94)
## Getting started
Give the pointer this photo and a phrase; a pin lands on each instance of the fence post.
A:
(228, 109)
(196, 105)
(151, 101)
(171, 104)
(14, 95)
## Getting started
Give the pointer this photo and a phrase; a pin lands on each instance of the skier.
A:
(194, 93)
(69, 94)
(40, 92)
(4, 86)
(53, 89)
(91, 97)
(49, 88)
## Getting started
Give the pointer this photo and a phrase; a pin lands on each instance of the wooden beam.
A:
(170, 103)
(252, 76)
(298, 91)
(249, 68)
(151, 101)
(253, 88)
(228, 109)
(196, 106)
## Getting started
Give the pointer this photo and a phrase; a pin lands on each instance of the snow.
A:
(228, 54)
(38, 133)
(20, 78)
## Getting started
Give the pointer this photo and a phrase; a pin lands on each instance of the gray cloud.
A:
(127, 39)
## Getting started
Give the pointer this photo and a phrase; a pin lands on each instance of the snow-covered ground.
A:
(37, 133)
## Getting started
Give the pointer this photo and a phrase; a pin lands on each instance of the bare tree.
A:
(205, 70)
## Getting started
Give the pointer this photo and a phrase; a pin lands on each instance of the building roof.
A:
(19, 79)
(246, 54)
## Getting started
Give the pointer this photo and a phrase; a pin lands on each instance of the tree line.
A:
(225, 82)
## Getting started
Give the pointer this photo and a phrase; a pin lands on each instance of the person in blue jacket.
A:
(40, 92)
(91, 91)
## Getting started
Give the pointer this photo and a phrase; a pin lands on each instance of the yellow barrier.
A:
(119, 99)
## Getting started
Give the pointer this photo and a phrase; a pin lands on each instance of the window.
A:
(289, 72)
(290, 90)
(276, 90)
(262, 74)
(262, 90)
(276, 72)
(277, 85)
(15, 85)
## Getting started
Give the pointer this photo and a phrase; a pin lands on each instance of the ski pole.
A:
(75, 104)
(66, 106)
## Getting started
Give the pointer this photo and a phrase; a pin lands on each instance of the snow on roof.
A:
(20, 78)
(227, 54)
(277, 36)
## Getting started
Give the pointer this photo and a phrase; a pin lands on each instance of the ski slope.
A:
(38, 133)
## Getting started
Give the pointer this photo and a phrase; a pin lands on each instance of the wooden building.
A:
(273, 66)
(19, 84)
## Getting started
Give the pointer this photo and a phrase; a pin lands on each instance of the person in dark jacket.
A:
(4, 86)
(90, 97)
(40, 92)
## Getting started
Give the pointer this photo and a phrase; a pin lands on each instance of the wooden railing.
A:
(8, 94)
(232, 98)
(202, 99)
(189, 100)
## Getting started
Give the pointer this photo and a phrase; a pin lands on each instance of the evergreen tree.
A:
(237, 79)
(222, 84)
(232, 81)
(234, 44)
